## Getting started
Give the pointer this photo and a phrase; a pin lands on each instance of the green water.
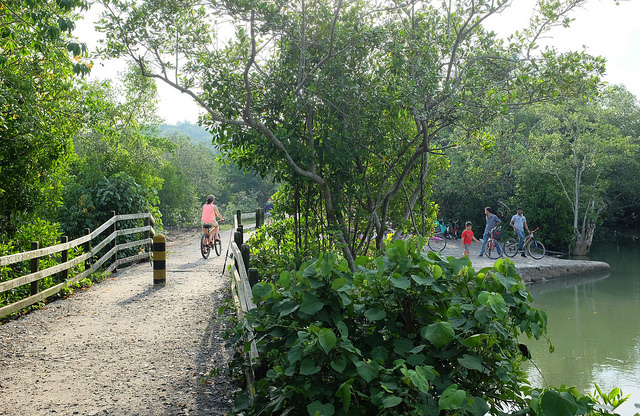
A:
(594, 325)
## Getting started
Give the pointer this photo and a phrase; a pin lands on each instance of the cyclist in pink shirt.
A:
(209, 213)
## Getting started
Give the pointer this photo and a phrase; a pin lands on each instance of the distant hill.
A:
(197, 133)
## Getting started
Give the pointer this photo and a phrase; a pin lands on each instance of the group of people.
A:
(518, 223)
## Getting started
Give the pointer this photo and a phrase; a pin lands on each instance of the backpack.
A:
(497, 233)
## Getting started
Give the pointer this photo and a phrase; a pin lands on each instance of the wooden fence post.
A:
(159, 259)
(253, 276)
(238, 236)
(64, 257)
(259, 217)
(87, 249)
(239, 216)
(114, 243)
(35, 266)
(244, 250)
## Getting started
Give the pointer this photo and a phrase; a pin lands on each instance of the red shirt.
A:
(467, 237)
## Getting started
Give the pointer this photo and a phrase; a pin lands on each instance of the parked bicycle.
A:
(207, 242)
(492, 248)
(531, 245)
(453, 230)
(437, 242)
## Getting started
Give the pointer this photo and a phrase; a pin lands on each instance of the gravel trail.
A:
(125, 346)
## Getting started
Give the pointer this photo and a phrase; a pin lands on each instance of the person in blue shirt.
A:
(492, 222)
(267, 211)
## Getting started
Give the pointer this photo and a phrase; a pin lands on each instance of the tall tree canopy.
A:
(348, 96)
(37, 101)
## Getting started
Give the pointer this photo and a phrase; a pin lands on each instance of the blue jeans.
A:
(485, 238)
(520, 234)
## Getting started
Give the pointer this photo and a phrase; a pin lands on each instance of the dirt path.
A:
(124, 346)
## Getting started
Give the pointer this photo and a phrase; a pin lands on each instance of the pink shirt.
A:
(208, 214)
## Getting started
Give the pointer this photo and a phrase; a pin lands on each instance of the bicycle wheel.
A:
(218, 246)
(536, 249)
(205, 249)
(437, 242)
(510, 247)
(492, 250)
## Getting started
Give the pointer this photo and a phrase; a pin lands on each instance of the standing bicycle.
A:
(209, 213)
(490, 236)
(534, 247)
(437, 242)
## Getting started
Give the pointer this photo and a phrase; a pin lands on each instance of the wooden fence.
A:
(90, 252)
(244, 277)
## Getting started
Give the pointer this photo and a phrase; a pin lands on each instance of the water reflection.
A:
(594, 326)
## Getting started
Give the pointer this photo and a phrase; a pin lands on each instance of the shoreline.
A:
(530, 270)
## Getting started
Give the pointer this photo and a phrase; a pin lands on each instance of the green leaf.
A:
(308, 367)
(472, 362)
(391, 401)
(310, 304)
(401, 282)
(344, 393)
(474, 341)
(402, 346)
(423, 281)
(327, 339)
(420, 377)
(261, 290)
(339, 365)
(375, 314)
(339, 283)
(558, 404)
(316, 408)
(286, 308)
(439, 333)
(368, 371)
(342, 327)
(452, 398)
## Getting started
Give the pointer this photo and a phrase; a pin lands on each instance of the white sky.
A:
(604, 28)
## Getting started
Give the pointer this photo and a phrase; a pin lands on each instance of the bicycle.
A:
(492, 247)
(206, 244)
(437, 242)
(453, 230)
(532, 246)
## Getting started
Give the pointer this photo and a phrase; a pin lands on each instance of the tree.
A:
(575, 144)
(38, 95)
(347, 97)
(119, 155)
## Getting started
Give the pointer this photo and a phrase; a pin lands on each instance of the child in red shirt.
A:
(467, 238)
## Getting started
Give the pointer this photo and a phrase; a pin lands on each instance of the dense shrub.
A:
(409, 333)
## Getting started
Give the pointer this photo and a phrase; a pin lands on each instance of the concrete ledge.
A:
(530, 270)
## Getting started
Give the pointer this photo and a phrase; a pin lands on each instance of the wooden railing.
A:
(242, 276)
(90, 252)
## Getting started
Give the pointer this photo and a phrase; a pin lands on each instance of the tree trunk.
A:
(584, 239)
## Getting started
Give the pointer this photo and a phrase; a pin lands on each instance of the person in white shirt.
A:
(519, 224)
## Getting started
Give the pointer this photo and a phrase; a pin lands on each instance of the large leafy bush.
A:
(407, 333)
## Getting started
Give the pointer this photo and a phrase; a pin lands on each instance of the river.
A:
(594, 325)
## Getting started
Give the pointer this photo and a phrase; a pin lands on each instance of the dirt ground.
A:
(125, 346)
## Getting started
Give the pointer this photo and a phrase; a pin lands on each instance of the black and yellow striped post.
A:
(159, 259)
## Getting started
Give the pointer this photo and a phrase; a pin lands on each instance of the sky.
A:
(602, 27)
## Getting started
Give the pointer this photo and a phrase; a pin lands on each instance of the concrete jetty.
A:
(531, 270)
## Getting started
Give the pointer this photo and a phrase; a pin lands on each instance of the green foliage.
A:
(91, 207)
(46, 234)
(345, 101)
(407, 333)
(38, 104)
